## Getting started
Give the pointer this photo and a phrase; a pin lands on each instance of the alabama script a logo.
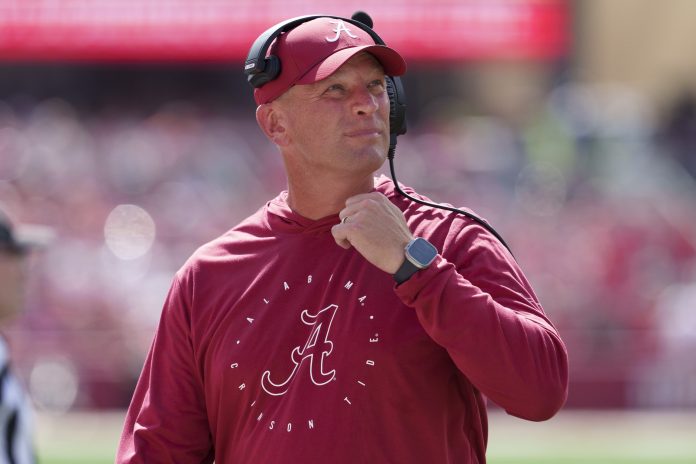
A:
(315, 351)
(340, 27)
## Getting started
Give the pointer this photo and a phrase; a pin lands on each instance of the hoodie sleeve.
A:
(475, 302)
(167, 421)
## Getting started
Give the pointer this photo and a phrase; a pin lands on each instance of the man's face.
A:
(339, 124)
(12, 282)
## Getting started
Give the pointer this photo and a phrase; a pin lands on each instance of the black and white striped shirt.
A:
(16, 437)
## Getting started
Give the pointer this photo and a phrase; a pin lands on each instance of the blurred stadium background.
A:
(128, 128)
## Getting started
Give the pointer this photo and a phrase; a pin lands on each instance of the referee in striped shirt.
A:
(16, 437)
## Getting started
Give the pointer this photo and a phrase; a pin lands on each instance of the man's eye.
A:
(335, 88)
(377, 84)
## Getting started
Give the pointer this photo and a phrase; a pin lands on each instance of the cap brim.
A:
(391, 61)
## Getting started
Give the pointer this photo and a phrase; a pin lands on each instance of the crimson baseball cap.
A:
(315, 49)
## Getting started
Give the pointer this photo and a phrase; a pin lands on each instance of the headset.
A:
(261, 69)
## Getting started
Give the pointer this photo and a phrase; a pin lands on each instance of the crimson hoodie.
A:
(277, 346)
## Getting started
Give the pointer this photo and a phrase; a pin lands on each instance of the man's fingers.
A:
(346, 215)
(339, 235)
(374, 196)
(357, 198)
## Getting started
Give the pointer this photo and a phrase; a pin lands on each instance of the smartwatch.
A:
(419, 254)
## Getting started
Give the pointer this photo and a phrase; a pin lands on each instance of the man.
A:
(15, 412)
(287, 340)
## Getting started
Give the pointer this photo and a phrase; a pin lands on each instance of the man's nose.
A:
(364, 102)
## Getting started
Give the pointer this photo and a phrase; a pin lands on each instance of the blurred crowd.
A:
(594, 191)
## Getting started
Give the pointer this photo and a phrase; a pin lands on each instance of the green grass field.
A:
(584, 437)
(572, 437)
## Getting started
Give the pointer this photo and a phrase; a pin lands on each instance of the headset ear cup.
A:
(397, 106)
(272, 67)
(258, 79)
(270, 71)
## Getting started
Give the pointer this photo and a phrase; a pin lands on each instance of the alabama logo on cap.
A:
(340, 27)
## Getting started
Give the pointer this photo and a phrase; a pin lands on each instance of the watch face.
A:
(422, 252)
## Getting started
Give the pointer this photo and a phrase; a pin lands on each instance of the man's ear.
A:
(272, 123)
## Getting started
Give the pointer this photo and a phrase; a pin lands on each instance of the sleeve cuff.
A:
(409, 290)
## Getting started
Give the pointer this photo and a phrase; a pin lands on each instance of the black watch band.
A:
(405, 272)
(418, 254)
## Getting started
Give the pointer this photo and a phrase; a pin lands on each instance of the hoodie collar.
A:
(282, 218)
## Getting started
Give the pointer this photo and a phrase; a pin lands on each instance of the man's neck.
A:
(324, 197)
